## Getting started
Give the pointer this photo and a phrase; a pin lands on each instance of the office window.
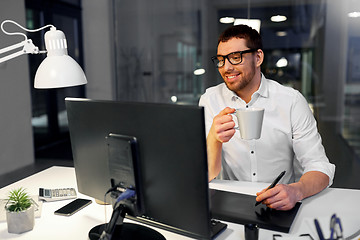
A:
(49, 119)
(310, 45)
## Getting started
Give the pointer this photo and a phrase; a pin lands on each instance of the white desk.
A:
(343, 202)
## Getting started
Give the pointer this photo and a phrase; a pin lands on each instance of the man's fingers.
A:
(278, 198)
(225, 136)
(267, 193)
(223, 125)
(227, 111)
(225, 131)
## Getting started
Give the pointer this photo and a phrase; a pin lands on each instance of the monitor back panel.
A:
(172, 150)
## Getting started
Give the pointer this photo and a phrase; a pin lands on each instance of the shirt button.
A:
(254, 174)
(247, 106)
(252, 152)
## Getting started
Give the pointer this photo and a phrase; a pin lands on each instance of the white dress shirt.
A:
(289, 135)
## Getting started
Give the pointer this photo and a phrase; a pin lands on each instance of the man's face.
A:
(237, 77)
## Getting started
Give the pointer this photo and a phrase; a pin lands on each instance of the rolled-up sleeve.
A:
(307, 143)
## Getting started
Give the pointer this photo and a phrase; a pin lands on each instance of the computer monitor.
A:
(171, 145)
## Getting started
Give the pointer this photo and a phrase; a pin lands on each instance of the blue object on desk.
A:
(318, 229)
(336, 232)
(335, 228)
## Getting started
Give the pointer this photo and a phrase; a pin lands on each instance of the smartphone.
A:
(72, 207)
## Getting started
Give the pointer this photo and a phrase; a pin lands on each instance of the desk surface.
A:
(343, 202)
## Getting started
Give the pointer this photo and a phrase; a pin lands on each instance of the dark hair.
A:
(252, 37)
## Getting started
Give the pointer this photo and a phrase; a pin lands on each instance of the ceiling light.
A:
(199, 71)
(253, 23)
(282, 62)
(354, 14)
(281, 33)
(278, 18)
(227, 20)
(173, 99)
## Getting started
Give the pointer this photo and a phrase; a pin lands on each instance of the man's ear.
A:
(259, 57)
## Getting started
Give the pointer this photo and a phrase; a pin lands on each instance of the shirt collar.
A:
(264, 87)
(228, 94)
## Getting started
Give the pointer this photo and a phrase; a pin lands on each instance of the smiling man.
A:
(289, 133)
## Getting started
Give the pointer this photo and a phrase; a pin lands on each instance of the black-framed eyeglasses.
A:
(234, 58)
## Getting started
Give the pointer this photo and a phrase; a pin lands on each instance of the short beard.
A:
(245, 81)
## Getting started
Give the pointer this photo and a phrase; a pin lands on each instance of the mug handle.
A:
(236, 128)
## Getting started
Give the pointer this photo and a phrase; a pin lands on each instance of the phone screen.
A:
(73, 207)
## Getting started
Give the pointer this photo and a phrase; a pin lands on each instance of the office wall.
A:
(16, 139)
(98, 49)
(16, 136)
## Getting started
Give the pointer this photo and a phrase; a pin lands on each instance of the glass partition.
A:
(310, 45)
(158, 48)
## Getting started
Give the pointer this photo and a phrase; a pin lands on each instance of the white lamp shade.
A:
(58, 69)
(58, 72)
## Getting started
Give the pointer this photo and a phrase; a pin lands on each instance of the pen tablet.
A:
(240, 208)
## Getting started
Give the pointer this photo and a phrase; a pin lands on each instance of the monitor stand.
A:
(127, 231)
(117, 229)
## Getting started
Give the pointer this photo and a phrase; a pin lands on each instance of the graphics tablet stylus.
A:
(273, 184)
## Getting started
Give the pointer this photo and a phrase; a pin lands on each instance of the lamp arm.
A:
(28, 48)
(27, 44)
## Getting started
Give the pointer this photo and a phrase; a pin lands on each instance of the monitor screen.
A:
(171, 145)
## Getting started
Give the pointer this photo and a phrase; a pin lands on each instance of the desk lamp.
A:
(58, 69)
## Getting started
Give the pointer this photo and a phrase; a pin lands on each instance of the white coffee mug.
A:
(249, 122)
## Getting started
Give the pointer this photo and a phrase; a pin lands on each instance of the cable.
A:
(119, 211)
(111, 189)
(107, 192)
(126, 195)
(23, 28)
(105, 207)
(123, 196)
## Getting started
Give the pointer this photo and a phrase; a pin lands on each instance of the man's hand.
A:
(222, 128)
(284, 197)
(281, 197)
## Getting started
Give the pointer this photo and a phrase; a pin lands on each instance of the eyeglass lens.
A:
(233, 58)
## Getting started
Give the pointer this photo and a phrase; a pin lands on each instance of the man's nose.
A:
(227, 64)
